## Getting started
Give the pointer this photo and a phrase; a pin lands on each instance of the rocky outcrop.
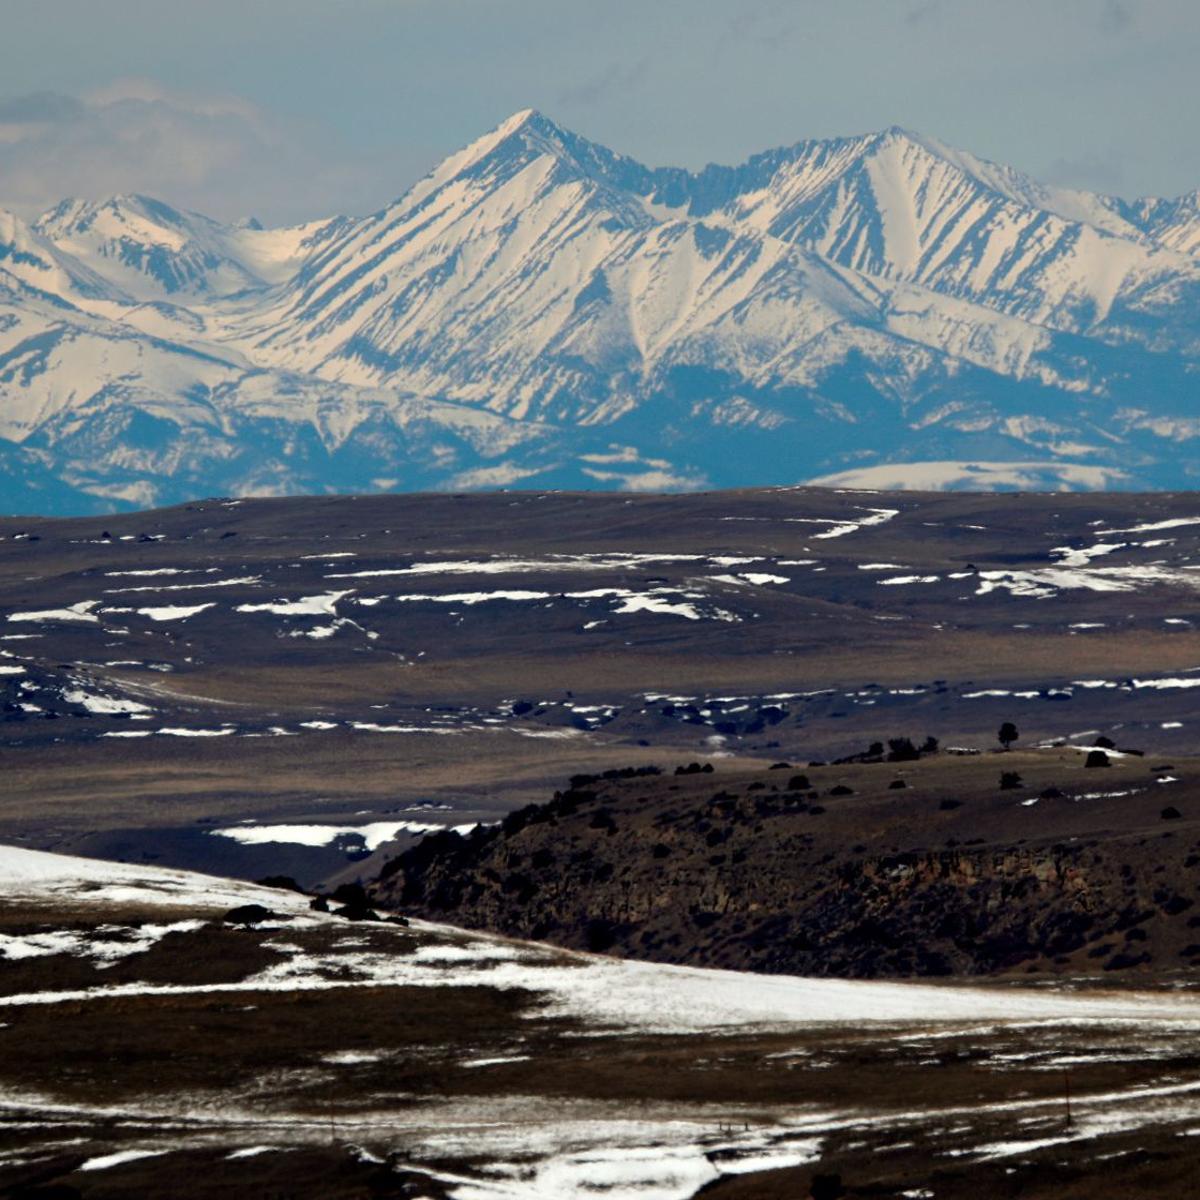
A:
(764, 879)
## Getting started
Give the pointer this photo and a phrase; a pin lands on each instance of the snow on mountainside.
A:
(153, 251)
(1172, 223)
(541, 310)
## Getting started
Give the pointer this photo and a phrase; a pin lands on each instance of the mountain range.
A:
(539, 311)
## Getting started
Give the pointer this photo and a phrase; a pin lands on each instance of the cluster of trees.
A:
(898, 749)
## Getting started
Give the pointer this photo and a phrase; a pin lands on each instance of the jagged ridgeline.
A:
(542, 311)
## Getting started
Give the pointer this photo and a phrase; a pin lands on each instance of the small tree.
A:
(1010, 780)
(901, 749)
(1008, 734)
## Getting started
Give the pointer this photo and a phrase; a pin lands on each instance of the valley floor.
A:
(364, 666)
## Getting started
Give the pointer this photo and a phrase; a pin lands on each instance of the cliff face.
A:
(742, 871)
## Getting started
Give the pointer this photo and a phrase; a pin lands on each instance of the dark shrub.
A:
(599, 934)
(947, 805)
(283, 882)
(1122, 962)
(1097, 758)
(1170, 813)
(660, 850)
(246, 915)
(350, 893)
(1105, 743)
(1009, 780)
(896, 785)
(357, 912)
(798, 783)
(841, 790)
(826, 1187)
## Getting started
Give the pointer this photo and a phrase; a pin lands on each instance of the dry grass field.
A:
(337, 660)
(307, 687)
(150, 1048)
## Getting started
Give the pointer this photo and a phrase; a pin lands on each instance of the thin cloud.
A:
(37, 108)
(922, 14)
(615, 78)
(218, 154)
(1088, 172)
(1116, 16)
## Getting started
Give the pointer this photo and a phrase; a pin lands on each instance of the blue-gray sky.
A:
(293, 109)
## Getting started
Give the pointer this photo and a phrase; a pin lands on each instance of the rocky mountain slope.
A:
(540, 309)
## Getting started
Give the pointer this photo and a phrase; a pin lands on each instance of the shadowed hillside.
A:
(933, 866)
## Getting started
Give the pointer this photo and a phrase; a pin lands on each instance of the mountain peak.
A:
(828, 305)
(525, 137)
(518, 120)
(116, 213)
(533, 129)
(900, 134)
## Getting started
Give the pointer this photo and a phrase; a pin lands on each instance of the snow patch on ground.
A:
(103, 704)
(81, 612)
(373, 835)
(324, 605)
(513, 566)
(104, 1161)
(174, 612)
(974, 476)
(106, 944)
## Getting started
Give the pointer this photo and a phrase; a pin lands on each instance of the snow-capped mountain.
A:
(540, 310)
